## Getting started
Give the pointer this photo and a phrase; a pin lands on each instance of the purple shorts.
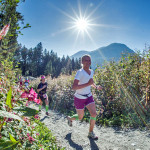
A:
(81, 103)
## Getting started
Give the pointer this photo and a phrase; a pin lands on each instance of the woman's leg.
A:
(78, 116)
(92, 109)
(46, 104)
(79, 105)
(40, 105)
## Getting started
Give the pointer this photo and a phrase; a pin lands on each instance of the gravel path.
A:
(75, 138)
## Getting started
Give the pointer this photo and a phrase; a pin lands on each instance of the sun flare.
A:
(81, 24)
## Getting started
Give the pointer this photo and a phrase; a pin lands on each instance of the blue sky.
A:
(121, 21)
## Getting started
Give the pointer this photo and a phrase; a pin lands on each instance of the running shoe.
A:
(47, 113)
(92, 136)
(69, 121)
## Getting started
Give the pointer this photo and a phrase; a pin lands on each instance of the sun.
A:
(81, 24)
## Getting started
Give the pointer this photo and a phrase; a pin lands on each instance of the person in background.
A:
(26, 83)
(83, 96)
(42, 87)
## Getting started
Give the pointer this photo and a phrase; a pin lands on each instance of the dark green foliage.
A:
(34, 62)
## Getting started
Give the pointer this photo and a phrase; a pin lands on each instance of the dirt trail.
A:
(75, 138)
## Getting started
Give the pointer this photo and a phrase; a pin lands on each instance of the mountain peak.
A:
(112, 51)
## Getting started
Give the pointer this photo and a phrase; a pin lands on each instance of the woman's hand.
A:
(99, 87)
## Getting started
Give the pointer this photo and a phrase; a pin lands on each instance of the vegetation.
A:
(20, 127)
(36, 61)
(125, 98)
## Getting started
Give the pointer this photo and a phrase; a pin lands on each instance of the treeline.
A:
(36, 61)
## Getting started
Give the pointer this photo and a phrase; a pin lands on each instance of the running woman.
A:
(42, 94)
(83, 96)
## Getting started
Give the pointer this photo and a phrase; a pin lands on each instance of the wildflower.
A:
(9, 119)
(4, 31)
(32, 96)
(32, 92)
(37, 101)
(1, 89)
(27, 103)
(31, 139)
(28, 134)
(24, 95)
(26, 119)
(37, 134)
(36, 117)
(18, 90)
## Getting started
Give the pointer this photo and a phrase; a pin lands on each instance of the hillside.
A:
(110, 52)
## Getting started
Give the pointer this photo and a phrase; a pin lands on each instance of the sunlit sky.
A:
(68, 26)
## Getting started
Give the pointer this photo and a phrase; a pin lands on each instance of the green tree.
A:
(9, 14)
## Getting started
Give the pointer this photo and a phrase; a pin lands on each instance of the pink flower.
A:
(27, 103)
(35, 95)
(36, 116)
(31, 91)
(9, 119)
(28, 134)
(37, 101)
(24, 95)
(37, 134)
(42, 149)
(31, 139)
(18, 90)
(1, 89)
(26, 119)
(32, 96)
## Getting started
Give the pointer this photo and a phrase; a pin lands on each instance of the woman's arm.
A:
(96, 87)
(76, 86)
(41, 88)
